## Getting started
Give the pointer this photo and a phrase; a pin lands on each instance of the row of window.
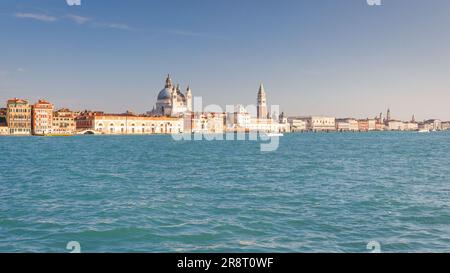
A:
(143, 130)
(12, 131)
(20, 125)
(133, 125)
(19, 110)
(19, 117)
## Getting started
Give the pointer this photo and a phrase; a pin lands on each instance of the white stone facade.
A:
(136, 125)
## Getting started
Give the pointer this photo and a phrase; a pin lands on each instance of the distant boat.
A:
(274, 134)
(424, 131)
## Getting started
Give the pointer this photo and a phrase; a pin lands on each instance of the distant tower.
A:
(388, 115)
(282, 118)
(189, 99)
(413, 120)
(262, 104)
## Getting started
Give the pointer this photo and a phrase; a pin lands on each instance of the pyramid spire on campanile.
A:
(261, 89)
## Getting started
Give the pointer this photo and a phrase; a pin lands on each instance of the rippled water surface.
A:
(317, 192)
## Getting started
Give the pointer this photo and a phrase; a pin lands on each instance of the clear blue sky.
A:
(329, 57)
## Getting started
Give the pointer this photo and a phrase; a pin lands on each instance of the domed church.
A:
(171, 101)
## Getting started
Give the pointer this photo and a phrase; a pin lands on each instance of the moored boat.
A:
(274, 134)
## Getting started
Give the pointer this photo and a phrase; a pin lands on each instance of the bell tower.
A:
(261, 103)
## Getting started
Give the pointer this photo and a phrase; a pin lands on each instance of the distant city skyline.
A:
(332, 58)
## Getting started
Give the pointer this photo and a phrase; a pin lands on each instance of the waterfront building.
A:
(320, 123)
(379, 126)
(347, 124)
(411, 126)
(372, 124)
(171, 101)
(395, 125)
(85, 120)
(363, 125)
(353, 125)
(297, 125)
(267, 125)
(445, 125)
(127, 124)
(342, 125)
(239, 120)
(424, 126)
(42, 118)
(64, 122)
(18, 117)
(261, 106)
(206, 123)
(432, 125)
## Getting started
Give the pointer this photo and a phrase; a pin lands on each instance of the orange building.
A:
(363, 125)
(42, 118)
(64, 122)
(379, 126)
(85, 120)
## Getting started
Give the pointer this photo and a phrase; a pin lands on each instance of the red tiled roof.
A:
(16, 100)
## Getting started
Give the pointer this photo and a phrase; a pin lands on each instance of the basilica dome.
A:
(164, 94)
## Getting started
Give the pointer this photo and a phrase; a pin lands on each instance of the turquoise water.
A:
(318, 192)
